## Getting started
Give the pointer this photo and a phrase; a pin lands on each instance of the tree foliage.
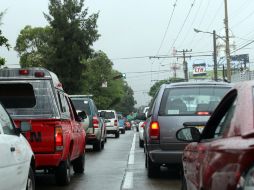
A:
(3, 41)
(73, 33)
(32, 46)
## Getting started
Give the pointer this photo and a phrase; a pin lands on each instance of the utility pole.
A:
(227, 42)
(185, 64)
(215, 56)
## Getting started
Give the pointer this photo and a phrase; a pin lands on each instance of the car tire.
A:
(102, 144)
(63, 173)
(117, 134)
(141, 143)
(123, 131)
(183, 184)
(152, 168)
(97, 146)
(79, 164)
(30, 184)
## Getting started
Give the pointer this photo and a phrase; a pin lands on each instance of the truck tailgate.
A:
(42, 135)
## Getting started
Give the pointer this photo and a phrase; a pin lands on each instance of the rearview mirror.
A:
(188, 134)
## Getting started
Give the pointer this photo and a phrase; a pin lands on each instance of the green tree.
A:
(73, 34)
(3, 40)
(32, 46)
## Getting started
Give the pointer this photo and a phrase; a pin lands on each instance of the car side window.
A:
(64, 107)
(225, 121)
(6, 123)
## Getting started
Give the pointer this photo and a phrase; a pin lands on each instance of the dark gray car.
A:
(172, 106)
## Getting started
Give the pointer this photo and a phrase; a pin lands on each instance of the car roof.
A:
(199, 83)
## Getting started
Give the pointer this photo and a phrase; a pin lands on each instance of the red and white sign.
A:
(199, 69)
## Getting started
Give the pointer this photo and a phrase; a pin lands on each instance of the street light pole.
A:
(227, 43)
(215, 56)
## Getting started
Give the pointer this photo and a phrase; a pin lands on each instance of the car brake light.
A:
(59, 138)
(203, 113)
(95, 122)
(24, 72)
(39, 74)
(154, 130)
(115, 123)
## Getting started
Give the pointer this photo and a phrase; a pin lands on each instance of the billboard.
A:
(199, 69)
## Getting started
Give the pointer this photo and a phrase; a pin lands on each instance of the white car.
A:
(141, 126)
(111, 122)
(17, 159)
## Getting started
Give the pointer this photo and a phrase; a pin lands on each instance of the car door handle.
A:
(12, 149)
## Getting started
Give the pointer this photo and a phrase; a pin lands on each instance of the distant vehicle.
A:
(95, 130)
(172, 106)
(17, 162)
(121, 121)
(141, 126)
(111, 122)
(221, 157)
(57, 138)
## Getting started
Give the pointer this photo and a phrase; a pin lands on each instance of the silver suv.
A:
(172, 106)
(95, 131)
(111, 121)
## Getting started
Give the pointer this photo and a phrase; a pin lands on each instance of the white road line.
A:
(128, 181)
(128, 178)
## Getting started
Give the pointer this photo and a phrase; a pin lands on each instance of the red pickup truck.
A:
(57, 138)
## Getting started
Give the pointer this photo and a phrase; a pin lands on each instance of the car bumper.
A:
(47, 160)
(165, 156)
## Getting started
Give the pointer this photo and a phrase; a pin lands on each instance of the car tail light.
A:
(95, 122)
(143, 125)
(59, 138)
(24, 72)
(115, 123)
(154, 130)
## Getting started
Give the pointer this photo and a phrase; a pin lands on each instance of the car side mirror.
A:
(82, 115)
(188, 134)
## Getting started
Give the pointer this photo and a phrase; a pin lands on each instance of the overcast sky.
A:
(141, 28)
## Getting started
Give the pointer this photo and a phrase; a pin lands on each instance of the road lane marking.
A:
(128, 181)
(132, 151)
(128, 177)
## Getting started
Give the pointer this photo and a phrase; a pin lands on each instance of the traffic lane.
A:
(103, 170)
(167, 179)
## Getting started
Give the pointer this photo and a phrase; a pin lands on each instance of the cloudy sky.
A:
(134, 30)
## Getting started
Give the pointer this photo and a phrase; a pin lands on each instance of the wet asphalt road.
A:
(121, 165)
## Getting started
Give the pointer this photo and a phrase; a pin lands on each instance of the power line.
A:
(251, 42)
(243, 20)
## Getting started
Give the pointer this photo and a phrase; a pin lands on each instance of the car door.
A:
(14, 163)
(204, 155)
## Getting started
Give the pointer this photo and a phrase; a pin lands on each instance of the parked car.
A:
(17, 162)
(171, 107)
(121, 121)
(95, 131)
(221, 157)
(57, 138)
(111, 122)
(141, 126)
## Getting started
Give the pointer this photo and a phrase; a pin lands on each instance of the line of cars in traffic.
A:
(44, 129)
(205, 131)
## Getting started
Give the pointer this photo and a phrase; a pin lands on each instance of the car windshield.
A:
(191, 100)
(28, 99)
(82, 105)
(108, 115)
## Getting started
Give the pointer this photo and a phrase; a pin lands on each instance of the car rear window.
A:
(108, 115)
(82, 105)
(29, 99)
(191, 100)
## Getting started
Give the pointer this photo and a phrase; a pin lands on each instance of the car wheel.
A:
(152, 168)
(63, 173)
(117, 134)
(184, 184)
(97, 146)
(30, 185)
(79, 164)
(141, 143)
(123, 131)
(102, 144)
